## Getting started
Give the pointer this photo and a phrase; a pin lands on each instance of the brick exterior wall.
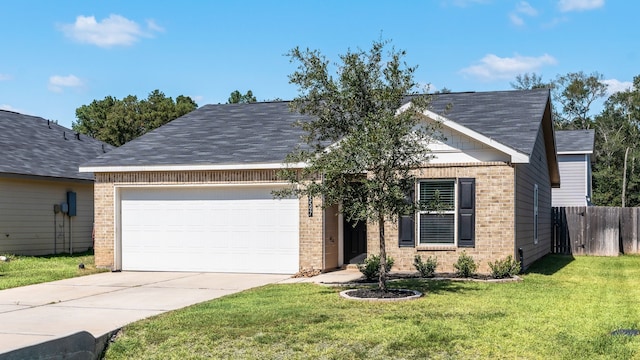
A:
(494, 214)
(310, 227)
(494, 230)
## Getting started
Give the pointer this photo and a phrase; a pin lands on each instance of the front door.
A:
(355, 241)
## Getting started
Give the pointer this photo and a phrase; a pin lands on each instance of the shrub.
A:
(425, 268)
(504, 268)
(465, 266)
(371, 266)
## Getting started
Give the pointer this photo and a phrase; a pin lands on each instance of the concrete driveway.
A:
(102, 303)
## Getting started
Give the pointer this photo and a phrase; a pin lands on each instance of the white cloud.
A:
(10, 108)
(522, 8)
(57, 83)
(151, 25)
(579, 5)
(112, 31)
(4, 77)
(492, 67)
(614, 85)
(555, 22)
(516, 20)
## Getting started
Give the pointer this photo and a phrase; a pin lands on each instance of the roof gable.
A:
(34, 146)
(510, 118)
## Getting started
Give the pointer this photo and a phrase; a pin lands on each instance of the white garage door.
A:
(215, 229)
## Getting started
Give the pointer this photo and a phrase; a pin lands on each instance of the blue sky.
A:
(59, 55)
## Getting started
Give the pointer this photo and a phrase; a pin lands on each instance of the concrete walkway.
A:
(102, 303)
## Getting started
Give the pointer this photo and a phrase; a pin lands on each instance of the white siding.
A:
(460, 148)
(574, 181)
(28, 225)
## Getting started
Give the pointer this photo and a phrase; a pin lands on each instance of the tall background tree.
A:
(575, 94)
(528, 81)
(119, 121)
(616, 172)
(237, 98)
(368, 167)
(616, 169)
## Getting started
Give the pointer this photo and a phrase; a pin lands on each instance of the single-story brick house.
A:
(38, 173)
(575, 157)
(195, 194)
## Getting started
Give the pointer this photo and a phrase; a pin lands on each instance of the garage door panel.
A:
(228, 229)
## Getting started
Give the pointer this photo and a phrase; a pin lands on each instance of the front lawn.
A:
(564, 309)
(27, 270)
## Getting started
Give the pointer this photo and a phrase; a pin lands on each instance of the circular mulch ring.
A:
(378, 295)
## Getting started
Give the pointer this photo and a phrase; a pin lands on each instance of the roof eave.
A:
(189, 167)
(516, 156)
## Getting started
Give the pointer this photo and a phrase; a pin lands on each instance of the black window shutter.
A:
(406, 231)
(407, 227)
(466, 212)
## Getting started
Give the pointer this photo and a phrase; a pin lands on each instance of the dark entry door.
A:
(355, 240)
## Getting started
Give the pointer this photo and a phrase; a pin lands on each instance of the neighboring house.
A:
(575, 156)
(195, 194)
(38, 173)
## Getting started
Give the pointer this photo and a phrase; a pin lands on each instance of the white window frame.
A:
(535, 214)
(452, 212)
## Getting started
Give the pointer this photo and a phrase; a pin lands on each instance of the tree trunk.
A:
(624, 177)
(382, 278)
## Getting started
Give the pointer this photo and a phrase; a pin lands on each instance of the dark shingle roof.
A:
(509, 117)
(214, 134)
(263, 132)
(31, 146)
(575, 141)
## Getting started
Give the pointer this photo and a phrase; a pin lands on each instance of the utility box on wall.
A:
(71, 201)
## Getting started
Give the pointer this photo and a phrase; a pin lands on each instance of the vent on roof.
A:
(77, 136)
(103, 149)
(49, 124)
(64, 135)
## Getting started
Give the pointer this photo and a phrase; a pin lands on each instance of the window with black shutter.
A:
(436, 224)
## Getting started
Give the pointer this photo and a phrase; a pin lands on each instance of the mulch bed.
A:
(438, 276)
(379, 294)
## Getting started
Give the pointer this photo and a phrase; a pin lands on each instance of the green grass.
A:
(27, 270)
(564, 309)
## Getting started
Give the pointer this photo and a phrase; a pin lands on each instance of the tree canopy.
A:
(616, 172)
(359, 149)
(117, 121)
(575, 93)
(616, 169)
(528, 81)
(237, 98)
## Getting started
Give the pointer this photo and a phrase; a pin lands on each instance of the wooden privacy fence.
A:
(595, 230)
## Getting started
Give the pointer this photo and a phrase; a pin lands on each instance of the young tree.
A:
(119, 121)
(237, 98)
(361, 140)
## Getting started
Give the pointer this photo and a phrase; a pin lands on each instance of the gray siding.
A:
(574, 181)
(28, 225)
(527, 175)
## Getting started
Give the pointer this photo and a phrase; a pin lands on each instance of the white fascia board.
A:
(199, 167)
(575, 152)
(516, 156)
